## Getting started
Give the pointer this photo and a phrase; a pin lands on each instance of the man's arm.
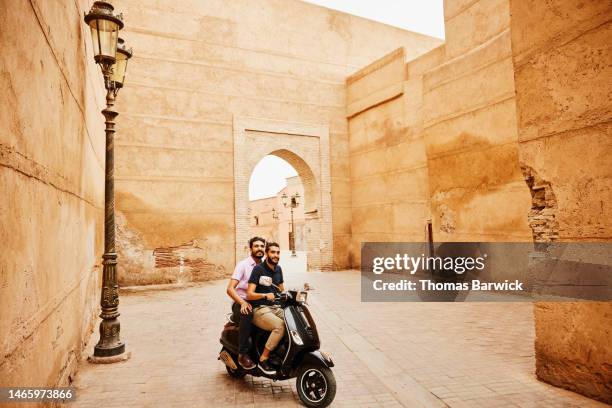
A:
(252, 295)
(231, 291)
(253, 279)
(245, 307)
(233, 282)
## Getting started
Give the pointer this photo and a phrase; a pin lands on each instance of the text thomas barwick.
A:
(427, 284)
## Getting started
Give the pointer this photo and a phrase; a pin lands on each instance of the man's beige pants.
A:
(270, 318)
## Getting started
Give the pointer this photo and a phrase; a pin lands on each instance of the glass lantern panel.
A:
(119, 68)
(104, 34)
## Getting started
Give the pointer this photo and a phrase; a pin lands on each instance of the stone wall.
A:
(52, 190)
(436, 138)
(561, 54)
(198, 64)
(501, 134)
(389, 191)
(477, 191)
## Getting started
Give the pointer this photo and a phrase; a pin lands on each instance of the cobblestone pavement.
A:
(386, 354)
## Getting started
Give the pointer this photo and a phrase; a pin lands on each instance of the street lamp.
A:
(112, 56)
(295, 201)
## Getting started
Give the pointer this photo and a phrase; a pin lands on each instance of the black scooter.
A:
(297, 355)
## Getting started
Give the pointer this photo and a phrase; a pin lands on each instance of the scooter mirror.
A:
(301, 297)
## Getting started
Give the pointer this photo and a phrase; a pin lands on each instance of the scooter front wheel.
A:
(316, 385)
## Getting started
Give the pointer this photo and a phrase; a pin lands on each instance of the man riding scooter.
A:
(281, 357)
(266, 280)
(237, 290)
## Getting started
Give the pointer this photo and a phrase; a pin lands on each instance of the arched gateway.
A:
(304, 146)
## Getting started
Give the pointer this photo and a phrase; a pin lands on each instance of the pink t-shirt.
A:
(242, 273)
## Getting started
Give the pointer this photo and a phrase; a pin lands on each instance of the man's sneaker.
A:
(266, 367)
(246, 362)
(274, 361)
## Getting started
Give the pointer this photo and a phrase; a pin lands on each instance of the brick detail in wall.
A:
(541, 217)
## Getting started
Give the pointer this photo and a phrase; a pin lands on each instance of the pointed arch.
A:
(306, 148)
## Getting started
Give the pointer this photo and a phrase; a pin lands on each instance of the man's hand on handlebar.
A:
(283, 296)
(269, 296)
(245, 308)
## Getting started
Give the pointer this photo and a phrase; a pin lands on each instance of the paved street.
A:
(386, 354)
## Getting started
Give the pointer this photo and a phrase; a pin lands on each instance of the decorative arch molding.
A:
(306, 147)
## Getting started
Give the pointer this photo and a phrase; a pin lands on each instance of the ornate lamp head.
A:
(105, 28)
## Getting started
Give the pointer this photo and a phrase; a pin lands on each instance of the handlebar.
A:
(282, 297)
(279, 296)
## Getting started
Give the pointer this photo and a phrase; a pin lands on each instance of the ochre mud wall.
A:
(389, 191)
(198, 64)
(477, 191)
(572, 347)
(51, 190)
(500, 134)
(561, 54)
(436, 138)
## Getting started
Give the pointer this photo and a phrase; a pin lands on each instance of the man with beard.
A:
(237, 290)
(266, 280)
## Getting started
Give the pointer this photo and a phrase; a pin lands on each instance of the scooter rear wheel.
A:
(238, 373)
(316, 385)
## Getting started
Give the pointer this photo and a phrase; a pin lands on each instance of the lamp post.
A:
(112, 56)
(291, 204)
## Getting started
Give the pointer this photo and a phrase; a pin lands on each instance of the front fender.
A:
(316, 358)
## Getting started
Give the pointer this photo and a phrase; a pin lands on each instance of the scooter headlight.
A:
(297, 339)
(301, 297)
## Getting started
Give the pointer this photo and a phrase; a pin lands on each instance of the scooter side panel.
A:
(309, 324)
(229, 338)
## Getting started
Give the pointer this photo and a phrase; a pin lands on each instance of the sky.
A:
(421, 16)
(268, 177)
